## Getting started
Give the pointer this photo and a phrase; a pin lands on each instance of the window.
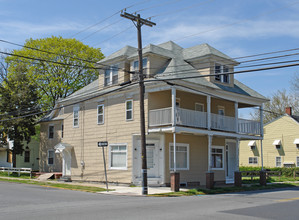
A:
(252, 160)
(111, 75)
(100, 114)
(62, 130)
(219, 71)
(297, 164)
(27, 156)
(51, 132)
(118, 156)
(199, 107)
(136, 64)
(278, 161)
(76, 116)
(217, 157)
(129, 110)
(51, 157)
(182, 156)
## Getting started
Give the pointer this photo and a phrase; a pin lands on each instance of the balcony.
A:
(197, 119)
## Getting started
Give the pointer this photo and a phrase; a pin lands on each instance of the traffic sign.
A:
(102, 143)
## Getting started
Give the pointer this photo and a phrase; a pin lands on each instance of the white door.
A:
(230, 160)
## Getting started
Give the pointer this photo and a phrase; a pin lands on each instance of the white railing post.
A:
(173, 106)
(236, 117)
(209, 112)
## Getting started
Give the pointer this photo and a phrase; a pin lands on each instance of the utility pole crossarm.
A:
(136, 18)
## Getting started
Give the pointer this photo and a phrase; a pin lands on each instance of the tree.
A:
(276, 106)
(3, 68)
(59, 66)
(18, 98)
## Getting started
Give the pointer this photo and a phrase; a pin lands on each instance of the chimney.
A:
(289, 110)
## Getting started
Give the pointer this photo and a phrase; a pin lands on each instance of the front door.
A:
(230, 160)
(152, 160)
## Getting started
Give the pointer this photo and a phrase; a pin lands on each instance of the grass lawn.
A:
(92, 189)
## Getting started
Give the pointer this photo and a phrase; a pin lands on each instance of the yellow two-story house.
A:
(191, 102)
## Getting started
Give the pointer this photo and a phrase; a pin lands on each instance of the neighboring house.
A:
(30, 156)
(199, 116)
(6, 154)
(280, 144)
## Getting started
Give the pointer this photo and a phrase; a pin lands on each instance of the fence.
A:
(252, 174)
(16, 170)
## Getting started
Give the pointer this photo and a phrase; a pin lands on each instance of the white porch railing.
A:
(160, 117)
(249, 127)
(16, 170)
(191, 118)
(224, 123)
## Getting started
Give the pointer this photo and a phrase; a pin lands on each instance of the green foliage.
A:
(52, 80)
(18, 98)
(287, 172)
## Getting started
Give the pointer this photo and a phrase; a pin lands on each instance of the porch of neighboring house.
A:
(196, 116)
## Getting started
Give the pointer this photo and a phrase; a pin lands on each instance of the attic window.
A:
(219, 73)
(277, 143)
(111, 75)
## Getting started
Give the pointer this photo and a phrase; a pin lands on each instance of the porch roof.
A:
(62, 146)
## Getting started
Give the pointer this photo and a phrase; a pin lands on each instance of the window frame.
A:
(49, 132)
(102, 114)
(297, 161)
(109, 74)
(76, 109)
(276, 162)
(27, 156)
(48, 157)
(172, 152)
(127, 110)
(62, 130)
(110, 156)
(222, 158)
(221, 77)
(199, 104)
(254, 160)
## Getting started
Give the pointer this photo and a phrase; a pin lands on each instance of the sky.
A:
(235, 27)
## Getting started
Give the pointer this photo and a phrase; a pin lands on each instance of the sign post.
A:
(104, 144)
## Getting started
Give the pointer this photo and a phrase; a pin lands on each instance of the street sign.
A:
(102, 143)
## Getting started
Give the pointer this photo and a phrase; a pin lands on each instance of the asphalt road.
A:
(22, 201)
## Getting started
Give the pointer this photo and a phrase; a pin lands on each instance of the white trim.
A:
(118, 168)
(76, 108)
(103, 114)
(252, 143)
(132, 110)
(296, 141)
(223, 162)
(188, 152)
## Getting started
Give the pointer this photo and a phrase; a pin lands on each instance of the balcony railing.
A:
(197, 119)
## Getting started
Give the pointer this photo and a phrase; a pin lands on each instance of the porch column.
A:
(173, 106)
(209, 112)
(237, 154)
(262, 133)
(174, 152)
(174, 176)
(209, 152)
(236, 117)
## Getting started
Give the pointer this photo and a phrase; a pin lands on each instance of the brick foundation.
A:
(175, 181)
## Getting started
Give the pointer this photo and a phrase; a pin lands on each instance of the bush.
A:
(287, 172)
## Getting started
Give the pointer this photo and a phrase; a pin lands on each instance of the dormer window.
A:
(136, 64)
(219, 73)
(111, 75)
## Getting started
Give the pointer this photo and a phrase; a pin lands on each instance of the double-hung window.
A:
(51, 132)
(182, 156)
(51, 154)
(100, 114)
(129, 110)
(252, 160)
(220, 71)
(278, 161)
(118, 156)
(217, 157)
(111, 75)
(136, 67)
(27, 156)
(297, 164)
(76, 117)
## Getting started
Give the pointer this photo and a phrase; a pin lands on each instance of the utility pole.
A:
(138, 22)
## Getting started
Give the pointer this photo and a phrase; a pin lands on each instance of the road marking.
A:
(287, 200)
